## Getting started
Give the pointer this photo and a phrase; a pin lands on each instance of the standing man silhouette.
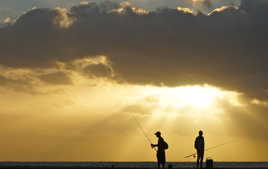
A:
(199, 145)
(161, 147)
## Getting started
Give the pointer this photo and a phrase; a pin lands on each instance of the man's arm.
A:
(195, 143)
(154, 145)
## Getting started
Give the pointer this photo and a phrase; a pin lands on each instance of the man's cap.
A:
(157, 133)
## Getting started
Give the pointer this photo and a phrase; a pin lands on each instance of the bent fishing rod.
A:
(210, 148)
(143, 132)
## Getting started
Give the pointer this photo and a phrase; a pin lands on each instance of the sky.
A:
(75, 75)
(15, 8)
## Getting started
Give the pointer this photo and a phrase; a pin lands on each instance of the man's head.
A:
(200, 133)
(158, 134)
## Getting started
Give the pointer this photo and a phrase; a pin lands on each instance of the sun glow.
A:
(191, 99)
(195, 96)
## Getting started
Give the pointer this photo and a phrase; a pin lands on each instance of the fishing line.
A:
(210, 148)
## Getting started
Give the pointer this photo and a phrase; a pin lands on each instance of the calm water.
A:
(138, 164)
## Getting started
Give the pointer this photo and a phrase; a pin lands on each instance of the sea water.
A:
(134, 164)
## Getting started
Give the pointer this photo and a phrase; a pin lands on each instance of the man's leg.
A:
(197, 161)
(201, 160)
(158, 159)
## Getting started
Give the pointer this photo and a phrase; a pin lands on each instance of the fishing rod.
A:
(143, 132)
(210, 148)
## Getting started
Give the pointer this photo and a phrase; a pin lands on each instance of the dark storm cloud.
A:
(14, 8)
(97, 70)
(57, 78)
(16, 84)
(166, 46)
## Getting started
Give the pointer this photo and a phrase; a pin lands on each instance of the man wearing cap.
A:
(199, 145)
(161, 156)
